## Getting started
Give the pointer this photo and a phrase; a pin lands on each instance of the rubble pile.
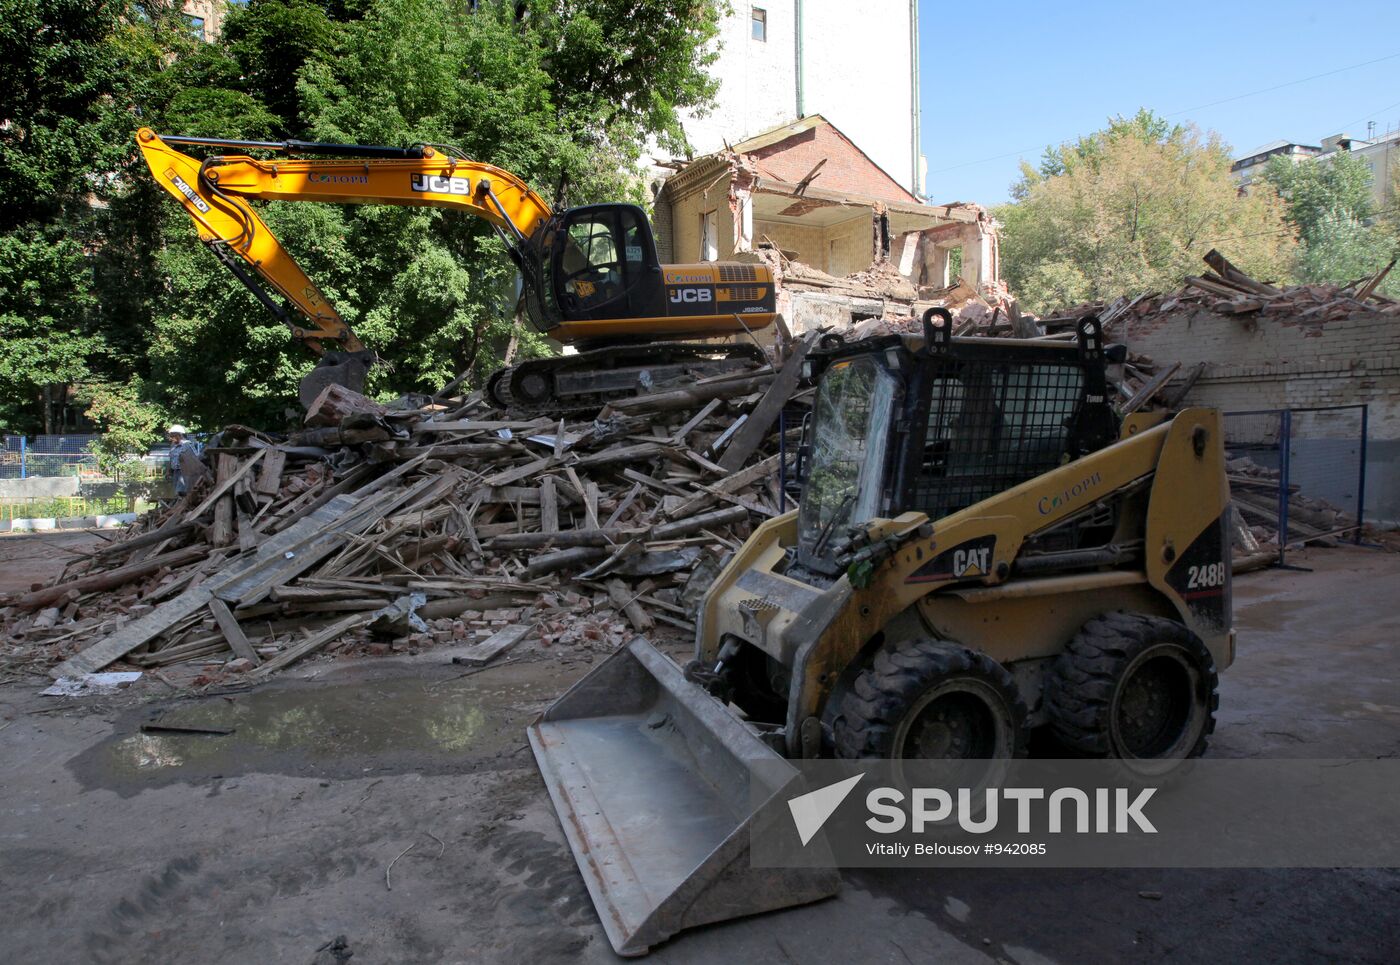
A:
(1254, 491)
(430, 523)
(1225, 290)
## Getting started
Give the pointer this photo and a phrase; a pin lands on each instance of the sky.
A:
(999, 81)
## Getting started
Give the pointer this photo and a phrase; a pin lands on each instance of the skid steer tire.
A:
(1134, 687)
(931, 699)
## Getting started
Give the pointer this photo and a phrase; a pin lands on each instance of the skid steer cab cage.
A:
(936, 424)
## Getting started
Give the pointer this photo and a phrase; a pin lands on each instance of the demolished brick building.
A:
(846, 241)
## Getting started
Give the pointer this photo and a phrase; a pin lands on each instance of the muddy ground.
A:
(268, 844)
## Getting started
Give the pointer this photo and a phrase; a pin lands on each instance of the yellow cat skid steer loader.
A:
(981, 549)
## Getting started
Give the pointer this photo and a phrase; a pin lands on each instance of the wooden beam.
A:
(747, 440)
(270, 477)
(110, 579)
(315, 642)
(233, 633)
(1144, 394)
(224, 482)
(549, 506)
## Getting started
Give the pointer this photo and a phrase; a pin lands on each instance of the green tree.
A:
(129, 423)
(564, 95)
(77, 75)
(1133, 208)
(1331, 206)
(102, 279)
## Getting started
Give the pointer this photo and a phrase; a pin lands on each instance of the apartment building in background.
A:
(1381, 152)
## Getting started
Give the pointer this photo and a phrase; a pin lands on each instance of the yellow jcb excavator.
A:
(590, 274)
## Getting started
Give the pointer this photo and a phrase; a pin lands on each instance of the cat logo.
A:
(971, 562)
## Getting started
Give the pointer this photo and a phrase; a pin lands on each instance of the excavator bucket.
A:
(651, 779)
(346, 369)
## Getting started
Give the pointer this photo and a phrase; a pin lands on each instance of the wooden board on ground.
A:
(494, 645)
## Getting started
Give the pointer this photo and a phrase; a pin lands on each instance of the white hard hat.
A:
(177, 429)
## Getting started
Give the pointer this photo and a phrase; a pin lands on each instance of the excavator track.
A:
(568, 384)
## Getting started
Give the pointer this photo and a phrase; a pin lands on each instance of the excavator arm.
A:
(214, 192)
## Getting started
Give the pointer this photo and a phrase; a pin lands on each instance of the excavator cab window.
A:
(604, 264)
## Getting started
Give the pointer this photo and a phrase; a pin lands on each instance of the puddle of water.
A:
(339, 730)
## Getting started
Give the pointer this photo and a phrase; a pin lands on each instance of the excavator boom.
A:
(590, 274)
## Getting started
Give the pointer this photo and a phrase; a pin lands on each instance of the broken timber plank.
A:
(131, 635)
(679, 437)
(225, 483)
(228, 474)
(1230, 273)
(730, 484)
(1144, 394)
(509, 476)
(684, 527)
(549, 562)
(109, 579)
(747, 440)
(1178, 393)
(549, 506)
(626, 601)
(232, 632)
(270, 476)
(313, 643)
(494, 645)
(688, 397)
(1366, 290)
(569, 537)
(622, 506)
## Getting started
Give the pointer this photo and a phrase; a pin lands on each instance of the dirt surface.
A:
(26, 559)
(267, 844)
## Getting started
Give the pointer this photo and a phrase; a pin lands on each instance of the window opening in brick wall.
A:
(709, 237)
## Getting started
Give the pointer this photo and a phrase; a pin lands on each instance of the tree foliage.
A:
(1330, 204)
(565, 93)
(1133, 208)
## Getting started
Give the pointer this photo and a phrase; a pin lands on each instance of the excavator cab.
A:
(593, 262)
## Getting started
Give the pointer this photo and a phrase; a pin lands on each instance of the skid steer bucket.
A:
(650, 777)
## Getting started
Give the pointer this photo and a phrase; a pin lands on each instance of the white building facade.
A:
(855, 63)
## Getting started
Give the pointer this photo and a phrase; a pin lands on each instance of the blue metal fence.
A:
(1300, 473)
(23, 457)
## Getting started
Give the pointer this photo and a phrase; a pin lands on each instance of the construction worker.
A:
(180, 443)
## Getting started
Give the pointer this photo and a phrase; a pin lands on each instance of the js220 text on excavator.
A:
(982, 548)
(590, 275)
